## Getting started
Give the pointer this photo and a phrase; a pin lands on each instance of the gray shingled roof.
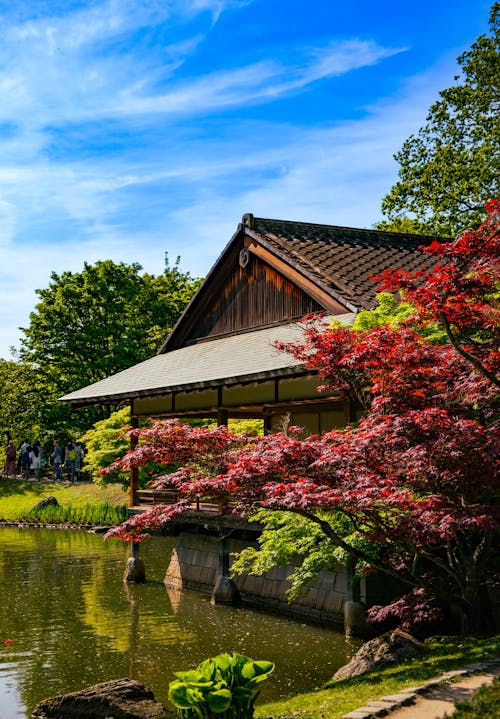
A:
(228, 360)
(341, 260)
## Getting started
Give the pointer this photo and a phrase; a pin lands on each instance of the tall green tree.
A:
(20, 396)
(91, 324)
(451, 167)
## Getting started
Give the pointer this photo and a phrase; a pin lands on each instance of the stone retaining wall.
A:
(194, 564)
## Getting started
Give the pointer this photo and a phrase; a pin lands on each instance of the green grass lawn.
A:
(339, 698)
(17, 499)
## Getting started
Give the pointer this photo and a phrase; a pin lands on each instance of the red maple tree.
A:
(417, 476)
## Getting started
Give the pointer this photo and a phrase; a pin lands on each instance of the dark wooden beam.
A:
(222, 417)
(322, 297)
(134, 472)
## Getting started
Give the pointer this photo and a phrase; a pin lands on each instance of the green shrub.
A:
(223, 687)
(105, 442)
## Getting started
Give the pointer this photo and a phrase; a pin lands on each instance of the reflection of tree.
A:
(151, 625)
(73, 623)
(42, 572)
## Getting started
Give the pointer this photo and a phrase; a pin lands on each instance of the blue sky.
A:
(131, 128)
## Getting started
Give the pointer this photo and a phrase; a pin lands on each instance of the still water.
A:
(68, 621)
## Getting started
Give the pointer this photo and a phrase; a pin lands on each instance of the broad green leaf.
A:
(219, 701)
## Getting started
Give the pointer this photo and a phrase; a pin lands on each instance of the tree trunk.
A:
(477, 611)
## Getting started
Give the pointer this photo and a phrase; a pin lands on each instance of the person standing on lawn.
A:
(25, 459)
(79, 460)
(10, 460)
(57, 459)
(70, 458)
(35, 460)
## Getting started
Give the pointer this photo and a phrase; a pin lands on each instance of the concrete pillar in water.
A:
(134, 571)
(225, 590)
(354, 609)
(355, 620)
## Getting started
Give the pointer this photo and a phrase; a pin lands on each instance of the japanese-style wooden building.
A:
(220, 361)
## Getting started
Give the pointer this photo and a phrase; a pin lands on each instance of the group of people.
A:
(70, 458)
(31, 462)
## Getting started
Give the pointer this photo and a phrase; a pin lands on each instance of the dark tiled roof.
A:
(342, 260)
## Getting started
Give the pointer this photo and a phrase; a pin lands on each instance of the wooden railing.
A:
(152, 497)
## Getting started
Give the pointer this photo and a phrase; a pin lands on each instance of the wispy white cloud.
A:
(75, 83)
(335, 174)
(261, 82)
(70, 67)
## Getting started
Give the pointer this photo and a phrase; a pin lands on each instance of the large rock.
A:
(47, 502)
(389, 648)
(120, 699)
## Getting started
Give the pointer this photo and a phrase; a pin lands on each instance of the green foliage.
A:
(223, 687)
(286, 540)
(105, 442)
(387, 312)
(403, 225)
(251, 427)
(20, 396)
(290, 540)
(92, 324)
(452, 166)
(390, 312)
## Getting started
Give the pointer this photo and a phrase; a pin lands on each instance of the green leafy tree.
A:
(392, 312)
(452, 166)
(92, 324)
(20, 396)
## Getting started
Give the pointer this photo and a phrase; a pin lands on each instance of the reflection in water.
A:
(74, 623)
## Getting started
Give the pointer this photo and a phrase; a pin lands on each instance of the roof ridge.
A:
(367, 230)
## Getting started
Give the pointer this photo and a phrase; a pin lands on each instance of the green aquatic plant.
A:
(222, 687)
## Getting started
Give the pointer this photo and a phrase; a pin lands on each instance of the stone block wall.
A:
(194, 564)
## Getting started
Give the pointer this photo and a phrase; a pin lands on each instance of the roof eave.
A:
(118, 398)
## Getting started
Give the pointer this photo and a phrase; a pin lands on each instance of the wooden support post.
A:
(222, 417)
(134, 571)
(134, 472)
(347, 411)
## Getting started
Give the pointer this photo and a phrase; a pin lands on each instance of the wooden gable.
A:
(245, 292)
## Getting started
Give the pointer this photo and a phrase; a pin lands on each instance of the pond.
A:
(68, 621)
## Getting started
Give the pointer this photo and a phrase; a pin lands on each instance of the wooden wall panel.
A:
(251, 297)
